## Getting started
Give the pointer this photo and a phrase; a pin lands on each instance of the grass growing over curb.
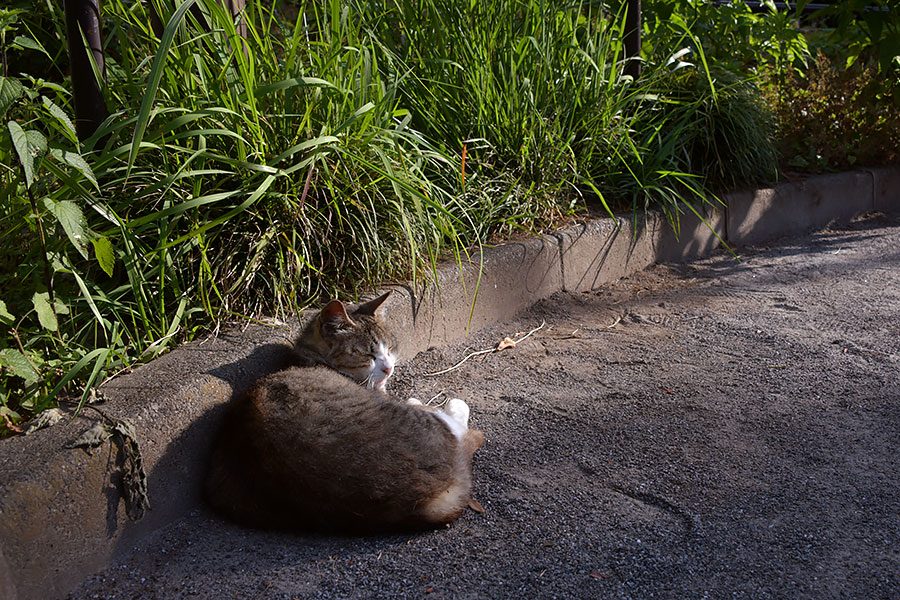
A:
(355, 143)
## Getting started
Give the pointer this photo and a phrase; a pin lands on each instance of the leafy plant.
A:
(230, 182)
(44, 228)
(866, 31)
(254, 167)
(732, 35)
(833, 117)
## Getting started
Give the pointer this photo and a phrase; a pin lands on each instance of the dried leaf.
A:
(501, 345)
(506, 343)
(47, 418)
(93, 437)
(476, 506)
(598, 575)
(134, 480)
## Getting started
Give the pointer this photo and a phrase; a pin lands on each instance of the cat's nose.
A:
(387, 370)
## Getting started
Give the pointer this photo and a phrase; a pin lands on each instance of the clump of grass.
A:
(360, 142)
(730, 131)
(230, 182)
(535, 89)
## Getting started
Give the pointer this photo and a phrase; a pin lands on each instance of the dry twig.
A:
(501, 345)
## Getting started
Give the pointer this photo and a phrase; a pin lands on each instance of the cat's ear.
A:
(372, 306)
(334, 317)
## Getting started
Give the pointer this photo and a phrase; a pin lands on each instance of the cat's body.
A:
(309, 447)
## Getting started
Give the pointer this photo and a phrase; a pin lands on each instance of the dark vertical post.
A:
(90, 105)
(633, 38)
(156, 23)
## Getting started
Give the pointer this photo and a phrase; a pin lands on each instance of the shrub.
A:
(834, 117)
(362, 142)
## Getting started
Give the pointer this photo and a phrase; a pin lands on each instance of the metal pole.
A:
(633, 38)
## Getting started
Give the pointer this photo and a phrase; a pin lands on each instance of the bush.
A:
(359, 143)
(832, 117)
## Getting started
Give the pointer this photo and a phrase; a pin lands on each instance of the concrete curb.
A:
(61, 514)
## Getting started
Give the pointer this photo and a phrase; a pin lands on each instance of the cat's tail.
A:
(472, 441)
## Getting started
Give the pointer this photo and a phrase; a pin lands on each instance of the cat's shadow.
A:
(242, 373)
(187, 456)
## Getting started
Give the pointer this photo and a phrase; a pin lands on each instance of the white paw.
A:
(414, 402)
(459, 410)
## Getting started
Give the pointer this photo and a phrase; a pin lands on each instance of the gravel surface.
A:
(719, 429)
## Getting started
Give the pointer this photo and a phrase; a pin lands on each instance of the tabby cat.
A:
(321, 446)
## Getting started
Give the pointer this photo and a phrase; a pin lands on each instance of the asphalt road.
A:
(719, 429)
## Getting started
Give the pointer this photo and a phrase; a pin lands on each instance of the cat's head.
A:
(355, 343)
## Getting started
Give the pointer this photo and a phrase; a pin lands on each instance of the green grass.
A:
(349, 144)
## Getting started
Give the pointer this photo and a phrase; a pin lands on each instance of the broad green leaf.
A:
(10, 91)
(19, 364)
(73, 159)
(6, 317)
(8, 17)
(61, 117)
(70, 217)
(20, 142)
(103, 251)
(46, 316)
(27, 43)
(61, 307)
(12, 415)
(36, 140)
